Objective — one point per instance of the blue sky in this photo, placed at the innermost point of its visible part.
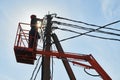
(99, 12)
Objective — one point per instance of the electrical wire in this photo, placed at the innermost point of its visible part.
(84, 28)
(90, 73)
(35, 68)
(84, 34)
(92, 24)
(91, 36)
(38, 71)
(112, 29)
(99, 27)
(90, 32)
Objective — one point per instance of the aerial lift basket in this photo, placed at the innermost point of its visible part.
(23, 54)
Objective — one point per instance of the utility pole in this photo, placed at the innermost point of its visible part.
(46, 47)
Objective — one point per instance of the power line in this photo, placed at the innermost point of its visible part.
(93, 31)
(77, 21)
(35, 68)
(92, 24)
(38, 71)
(84, 28)
(90, 73)
(112, 29)
(80, 34)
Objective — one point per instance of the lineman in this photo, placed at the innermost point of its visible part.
(33, 33)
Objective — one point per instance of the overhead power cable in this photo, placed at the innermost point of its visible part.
(85, 34)
(37, 71)
(92, 24)
(84, 28)
(92, 31)
(35, 68)
(90, 73)
(113, 39)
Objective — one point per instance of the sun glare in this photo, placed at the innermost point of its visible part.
(39, 24)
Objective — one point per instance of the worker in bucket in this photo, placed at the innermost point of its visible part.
(33, 33)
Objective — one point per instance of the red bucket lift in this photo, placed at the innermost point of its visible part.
(23, 54)
(27, 55)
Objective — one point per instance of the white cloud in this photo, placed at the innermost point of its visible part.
(110, 8)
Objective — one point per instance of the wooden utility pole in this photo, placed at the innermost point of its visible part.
(46, 47)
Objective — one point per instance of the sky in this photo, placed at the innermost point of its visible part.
(99, 12)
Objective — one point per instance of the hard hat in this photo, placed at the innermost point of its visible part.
(33, 16)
